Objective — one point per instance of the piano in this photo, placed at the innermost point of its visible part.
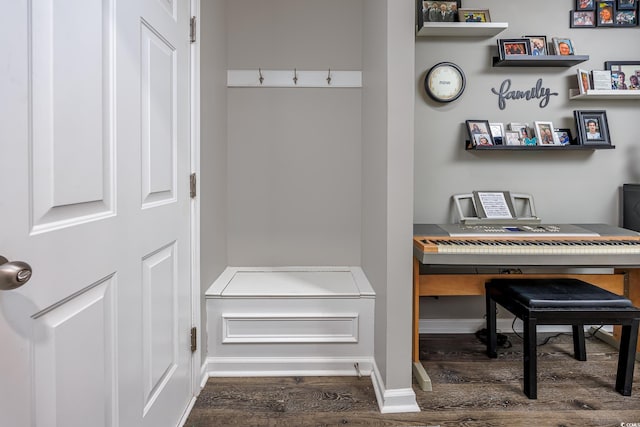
(457, 259)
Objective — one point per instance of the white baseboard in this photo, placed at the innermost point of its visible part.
(393, 401)
(287, 366)
(470, 326)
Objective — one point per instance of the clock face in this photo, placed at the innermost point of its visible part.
(444, 82)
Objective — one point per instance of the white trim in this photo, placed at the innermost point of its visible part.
(285, 78)
(393, 401)
(194, 219)
(287, 366)
(289, 328)
(187, 411)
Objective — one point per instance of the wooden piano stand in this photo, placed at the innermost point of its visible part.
(624, 281)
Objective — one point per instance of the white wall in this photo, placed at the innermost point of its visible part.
(568, 187)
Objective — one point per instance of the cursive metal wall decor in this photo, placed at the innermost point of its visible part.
(536, 92)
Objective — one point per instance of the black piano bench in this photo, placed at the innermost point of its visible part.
(563, 302)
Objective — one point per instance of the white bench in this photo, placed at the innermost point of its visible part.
(290, 321)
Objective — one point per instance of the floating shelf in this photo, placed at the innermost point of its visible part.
(604, 94)
(461, 29)
(539, 61)
(541, 147)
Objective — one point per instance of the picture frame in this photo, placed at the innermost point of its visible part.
(474, 15)
(510, 47)
(512, 137)
(497, 133)
(626, 18)
(563, 46)
(479, 132)
(564, 136)
(584, 82)
(521, 128)
(582, 19)
(585, 5)
(605, 13)
(626, 4)
(592, 127)
(624, 74)
(538, 45)
(545, 133)
(432, 11)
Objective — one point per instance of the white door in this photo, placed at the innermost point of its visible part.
(94, 195)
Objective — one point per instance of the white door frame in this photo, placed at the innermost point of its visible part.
(195, 205)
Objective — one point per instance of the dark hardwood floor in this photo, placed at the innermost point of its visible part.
(469, 389)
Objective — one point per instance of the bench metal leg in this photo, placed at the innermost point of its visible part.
(530, 358)
(492, 338)
(579, 349)
(626, 358)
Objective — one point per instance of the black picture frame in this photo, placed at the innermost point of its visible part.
(627, 4)
(626, 18)
(479, 130)
(585, 5)
(427, 12)
(582, 19)
(605, 13)
(628, 68)
(592, 127)
(510, 47)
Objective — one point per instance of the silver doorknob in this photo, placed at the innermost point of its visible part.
(13, 274)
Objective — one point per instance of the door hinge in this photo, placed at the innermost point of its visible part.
(192, 30)
(194, 339)
(192, 185)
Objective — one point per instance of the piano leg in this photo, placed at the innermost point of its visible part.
(422, 378)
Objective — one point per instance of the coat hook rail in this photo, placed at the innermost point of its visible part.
(301, 78)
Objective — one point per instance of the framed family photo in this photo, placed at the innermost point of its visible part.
(582, 19)
(592, 126)
(626, 18)
(585, 4)
(564, 135)
(563, 46)
(538, 45)
(509, 47)
(439, 11)
(479, 132)
(474, 15)
(624, 74)
(627, 4)
(545, 133)
(604, 10)
(584, 82)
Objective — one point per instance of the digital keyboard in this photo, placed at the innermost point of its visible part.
(584, 245)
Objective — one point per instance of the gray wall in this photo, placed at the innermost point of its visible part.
(568, 187)
(387, 155)
(314, 176)
(294, 155)
(213, 148)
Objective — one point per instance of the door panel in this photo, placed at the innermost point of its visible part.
(94, 127)
(73, 359)
(70, 113)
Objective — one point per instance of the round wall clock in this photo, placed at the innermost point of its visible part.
(445, 82)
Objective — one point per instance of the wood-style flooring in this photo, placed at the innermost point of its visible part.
(469, 389)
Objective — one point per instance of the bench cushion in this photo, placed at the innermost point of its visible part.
(558, 293)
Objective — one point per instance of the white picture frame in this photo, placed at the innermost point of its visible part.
(545, 133)
(521, 128)
(512, 137)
